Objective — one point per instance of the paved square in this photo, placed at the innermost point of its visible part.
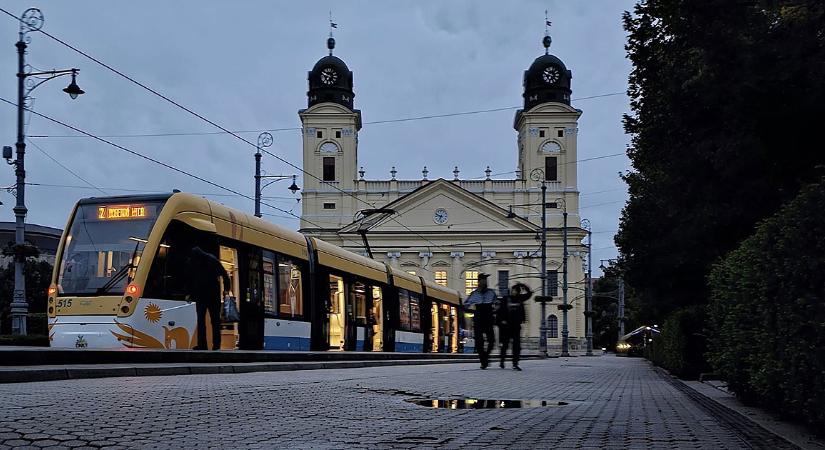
(614, 403)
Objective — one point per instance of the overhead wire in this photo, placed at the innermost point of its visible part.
(148, 158)
(227, 131)
(66, 168)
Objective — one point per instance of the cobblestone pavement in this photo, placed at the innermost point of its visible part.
(613, 403)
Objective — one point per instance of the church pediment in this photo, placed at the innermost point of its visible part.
(441, 206)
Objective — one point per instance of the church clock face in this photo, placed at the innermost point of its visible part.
(329, 76)
(550, 75)
(440, 216)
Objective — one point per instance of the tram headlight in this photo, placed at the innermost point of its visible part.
(133, 289)
(124, 309)
(51, 309)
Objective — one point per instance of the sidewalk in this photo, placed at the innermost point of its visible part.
(753, 422)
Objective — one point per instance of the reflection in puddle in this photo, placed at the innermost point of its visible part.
(475, 403)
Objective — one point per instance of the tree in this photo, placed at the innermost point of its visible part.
(727, 102)
(38, 277)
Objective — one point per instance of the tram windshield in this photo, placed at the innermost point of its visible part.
(104, 246)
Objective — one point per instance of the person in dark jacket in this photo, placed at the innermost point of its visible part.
(483, 298)
(510, 315)
(204, 289)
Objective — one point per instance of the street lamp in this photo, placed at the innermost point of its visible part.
(621, 295)
(565, 349)
(265, 140)
(588, 290)
(31, 20)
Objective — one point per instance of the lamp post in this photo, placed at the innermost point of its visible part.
(588, 290)
(265, 140)
(30, 20)
(565, 349)
(620, 312)
(538, 175)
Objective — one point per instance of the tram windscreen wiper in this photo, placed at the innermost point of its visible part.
(123, 271)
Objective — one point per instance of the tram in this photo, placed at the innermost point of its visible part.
(120, 282)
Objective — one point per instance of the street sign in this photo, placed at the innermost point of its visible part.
(543, 298)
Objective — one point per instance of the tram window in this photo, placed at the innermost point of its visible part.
(169, 273)
(415, 313)
(404, 308)
(290, 284)
(270, 308)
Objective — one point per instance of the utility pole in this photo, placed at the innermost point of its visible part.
(588, 290)
(31, 20)
(265, 140)
(538, 175)
(621, 307)
(565, 349)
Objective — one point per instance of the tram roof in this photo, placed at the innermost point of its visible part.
(442, 293)
(330, 255)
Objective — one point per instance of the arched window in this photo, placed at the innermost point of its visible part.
(553, 326)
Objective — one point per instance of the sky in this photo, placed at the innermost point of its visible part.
(243, 65)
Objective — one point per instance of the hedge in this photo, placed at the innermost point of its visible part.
(680, 347)
(767, 312)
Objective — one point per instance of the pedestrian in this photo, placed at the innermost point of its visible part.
(483, 298)
(509, 316)
(203, 287)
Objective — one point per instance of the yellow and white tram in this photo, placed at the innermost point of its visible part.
(120, 281)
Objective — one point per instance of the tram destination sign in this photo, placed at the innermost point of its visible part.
(121, 212)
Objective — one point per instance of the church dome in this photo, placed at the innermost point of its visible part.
(547, 80)
(330, 81)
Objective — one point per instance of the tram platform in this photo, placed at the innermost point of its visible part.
(26, 364)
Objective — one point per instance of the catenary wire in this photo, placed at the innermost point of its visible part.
(156, 161)
(66, 168)
(220, 127)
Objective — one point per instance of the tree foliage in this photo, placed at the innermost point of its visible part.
(767, 312)
(38, 276)
(727, 104)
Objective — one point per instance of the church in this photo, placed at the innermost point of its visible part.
(448, 231)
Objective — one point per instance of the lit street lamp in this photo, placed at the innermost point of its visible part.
(265, 140)
(31, 20)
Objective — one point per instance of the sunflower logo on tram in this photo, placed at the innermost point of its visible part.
(152, 313)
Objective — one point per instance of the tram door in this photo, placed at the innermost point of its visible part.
(435, 333)
(336, 316)
(376, 320)
(251, 326)
(229, 260)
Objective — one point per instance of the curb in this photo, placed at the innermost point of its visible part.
(52, 373)
(752, 433)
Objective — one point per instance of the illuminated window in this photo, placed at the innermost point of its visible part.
(470, 281)
(441, 277)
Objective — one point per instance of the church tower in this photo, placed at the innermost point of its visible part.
(548, 125)
(330, 140)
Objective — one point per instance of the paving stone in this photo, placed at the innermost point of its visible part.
(613, 403)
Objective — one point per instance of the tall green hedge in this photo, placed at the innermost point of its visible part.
(767, 312)
(680, 347)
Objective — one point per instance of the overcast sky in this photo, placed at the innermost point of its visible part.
(243, 64)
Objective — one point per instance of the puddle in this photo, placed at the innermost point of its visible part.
(475, 403)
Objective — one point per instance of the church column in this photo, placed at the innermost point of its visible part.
(458, 268)
(425, 260)
(393, 256)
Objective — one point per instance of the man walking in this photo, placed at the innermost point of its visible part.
(510, 316)
(204, 271)
(483, 298)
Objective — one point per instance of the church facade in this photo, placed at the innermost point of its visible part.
(448, 231)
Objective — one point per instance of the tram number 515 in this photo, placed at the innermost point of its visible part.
(64, 303)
